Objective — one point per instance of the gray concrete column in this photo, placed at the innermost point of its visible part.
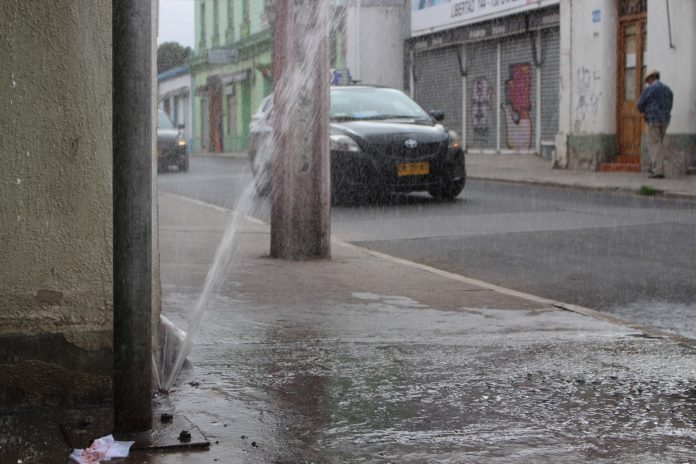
(300, 216)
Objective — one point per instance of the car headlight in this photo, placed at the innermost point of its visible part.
(344, 143)
(455, 142)
(181, 142)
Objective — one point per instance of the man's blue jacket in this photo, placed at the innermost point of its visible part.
(656, 103)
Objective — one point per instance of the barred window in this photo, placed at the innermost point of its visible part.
(633, 7)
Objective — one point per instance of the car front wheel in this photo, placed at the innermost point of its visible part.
(447, 190)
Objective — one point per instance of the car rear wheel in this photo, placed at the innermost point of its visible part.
(262, 181)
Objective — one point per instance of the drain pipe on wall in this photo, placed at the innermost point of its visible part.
(132, 214)
(669, 26)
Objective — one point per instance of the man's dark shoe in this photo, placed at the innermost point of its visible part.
(656, 176)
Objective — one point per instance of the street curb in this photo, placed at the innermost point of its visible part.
(588, 312)
(649, 331)
(616, 190)
(239, 155)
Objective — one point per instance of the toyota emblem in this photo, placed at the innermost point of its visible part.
(410, 143)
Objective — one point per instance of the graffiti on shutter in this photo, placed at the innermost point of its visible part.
(481, 95)
(517, 107)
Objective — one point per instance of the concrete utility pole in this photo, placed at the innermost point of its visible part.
(132, 209)
(301, 203)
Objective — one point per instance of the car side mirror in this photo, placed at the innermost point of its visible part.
(437, 115)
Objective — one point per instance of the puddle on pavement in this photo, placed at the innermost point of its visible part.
(419, 385)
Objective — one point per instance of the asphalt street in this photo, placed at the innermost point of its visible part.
(626, 255)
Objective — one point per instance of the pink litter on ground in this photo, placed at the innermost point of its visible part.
(102, 449)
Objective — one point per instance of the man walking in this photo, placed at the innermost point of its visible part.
(656, 105)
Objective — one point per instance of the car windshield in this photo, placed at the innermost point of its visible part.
(163, 121)
(373, 103)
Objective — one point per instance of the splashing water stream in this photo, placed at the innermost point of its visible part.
(223, 257)
(296, 79)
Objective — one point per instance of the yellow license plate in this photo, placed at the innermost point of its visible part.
(413, 169)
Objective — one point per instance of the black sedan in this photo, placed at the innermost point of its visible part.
(171, 145)
(381, 142)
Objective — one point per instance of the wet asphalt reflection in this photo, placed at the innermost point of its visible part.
(388, 380)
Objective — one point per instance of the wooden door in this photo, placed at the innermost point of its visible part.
(215, 114)
(205, 123)
(632, 36)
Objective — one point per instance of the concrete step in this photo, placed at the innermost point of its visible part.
(626, 159)
(619, 167)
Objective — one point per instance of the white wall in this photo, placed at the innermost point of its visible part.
(677, 65)
(375, 34)
(587, 104)
(592, 80)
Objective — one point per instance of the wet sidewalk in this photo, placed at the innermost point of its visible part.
(368, 358)
(536, 170)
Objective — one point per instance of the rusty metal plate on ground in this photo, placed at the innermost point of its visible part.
(177, 433)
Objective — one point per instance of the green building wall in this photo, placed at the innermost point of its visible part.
(241, 25)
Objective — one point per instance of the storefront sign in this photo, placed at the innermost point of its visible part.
(596, 16)
(492, 29)
(223, 55)
(239, 76)
(486, 30)
(544, 19)
(433, 15)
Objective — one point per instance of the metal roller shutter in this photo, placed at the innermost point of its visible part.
(438, 84)
(550, 81)
(482, 65)
(517, 94)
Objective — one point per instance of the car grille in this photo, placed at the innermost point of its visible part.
(399, 151)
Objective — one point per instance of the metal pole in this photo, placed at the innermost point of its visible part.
(357, 43)
(132, 210)
(669, 26)
(301, 204)
(498, 100)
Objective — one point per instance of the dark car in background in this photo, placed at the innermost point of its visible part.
(172, 149)
(381, 142)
